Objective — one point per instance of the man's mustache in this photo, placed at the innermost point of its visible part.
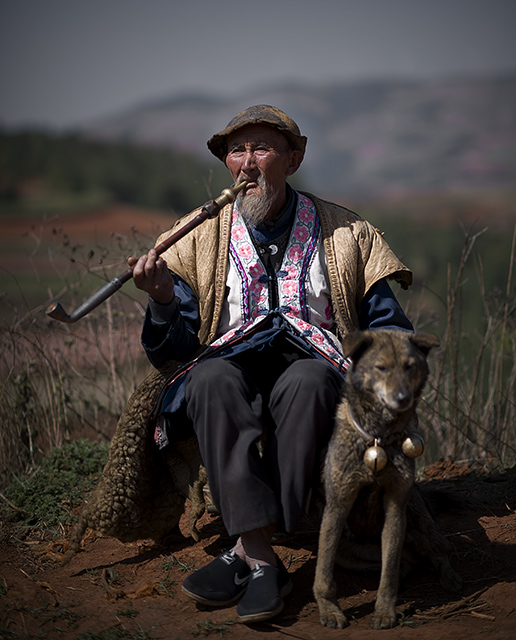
(260, 181)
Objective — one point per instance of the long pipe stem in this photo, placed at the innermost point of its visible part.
(210, 210)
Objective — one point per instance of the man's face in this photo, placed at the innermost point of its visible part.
(262, 156)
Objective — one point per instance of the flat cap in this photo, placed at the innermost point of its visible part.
(259, 114)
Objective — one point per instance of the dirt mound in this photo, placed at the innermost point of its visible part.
(135, 589)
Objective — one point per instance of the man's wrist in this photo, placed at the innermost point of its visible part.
(162, 312)
(163, 301)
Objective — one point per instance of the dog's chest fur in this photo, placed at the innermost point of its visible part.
(346, 452)
(346, 474)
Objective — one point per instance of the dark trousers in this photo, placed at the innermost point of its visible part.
(290, 406)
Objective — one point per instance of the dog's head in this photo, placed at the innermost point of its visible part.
(389, 366)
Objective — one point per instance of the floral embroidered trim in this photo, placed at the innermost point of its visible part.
(250, 270)
(291, 280)
(294, 271)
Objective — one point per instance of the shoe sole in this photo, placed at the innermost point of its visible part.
(266, 615)
(213, 603)
(263, 615)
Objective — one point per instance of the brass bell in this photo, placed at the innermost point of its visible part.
(413, 445)
(375, 457)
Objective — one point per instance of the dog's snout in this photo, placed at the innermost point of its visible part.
(395, 397)
(404, 399)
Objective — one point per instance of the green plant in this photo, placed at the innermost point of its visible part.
(406, 621)
(167, 586)
(61, 382)
(46, 497)
(172, 561)
(9, 634)
(48, 613)
(130, 612)
(116, 632)
(112, 577)
(206, 627)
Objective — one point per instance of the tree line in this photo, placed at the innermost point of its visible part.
(40, 170)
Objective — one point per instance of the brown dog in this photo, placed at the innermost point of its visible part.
(369, 473)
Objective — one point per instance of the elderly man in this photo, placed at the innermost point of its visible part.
(254, 302)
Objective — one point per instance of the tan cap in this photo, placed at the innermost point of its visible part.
(259, 114)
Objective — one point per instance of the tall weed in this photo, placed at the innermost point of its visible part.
(469, 410)
(61, 382)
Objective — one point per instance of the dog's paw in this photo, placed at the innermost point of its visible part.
(383, 620)
(332, 616)
(451, 581)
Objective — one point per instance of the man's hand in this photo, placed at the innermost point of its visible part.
(150, 274)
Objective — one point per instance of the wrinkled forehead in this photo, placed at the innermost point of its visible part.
(258, 134)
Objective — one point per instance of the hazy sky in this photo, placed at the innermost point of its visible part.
(66, 62)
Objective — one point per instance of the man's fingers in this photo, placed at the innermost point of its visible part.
(150, 274)
(146, 260)
(139, 268)
(152, 265)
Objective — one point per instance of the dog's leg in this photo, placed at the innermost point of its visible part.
(325, 588)
(393, 535)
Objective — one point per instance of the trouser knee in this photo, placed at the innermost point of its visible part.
(312, 377)
(209, 372)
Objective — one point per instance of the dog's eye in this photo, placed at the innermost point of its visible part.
(381, 368)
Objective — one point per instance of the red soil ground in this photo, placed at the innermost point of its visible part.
(98, 223)
(137, 587)
(24, 241)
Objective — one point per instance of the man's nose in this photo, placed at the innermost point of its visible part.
(249, 160)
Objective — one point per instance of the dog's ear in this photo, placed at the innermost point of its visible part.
(354, 343)
(425, 341)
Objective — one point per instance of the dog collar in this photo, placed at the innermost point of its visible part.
(375, 456)
(368, 438)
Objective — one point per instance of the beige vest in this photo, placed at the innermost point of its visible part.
(357, 256)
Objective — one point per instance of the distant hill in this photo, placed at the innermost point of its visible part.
(365, 137)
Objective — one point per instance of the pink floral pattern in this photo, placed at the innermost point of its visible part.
(295, 253)
(246, 250)
(291, 280)
(301, 234)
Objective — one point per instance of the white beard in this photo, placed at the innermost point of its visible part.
(255, 208)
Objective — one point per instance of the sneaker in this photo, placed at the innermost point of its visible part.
(220, 583)
(267, 587)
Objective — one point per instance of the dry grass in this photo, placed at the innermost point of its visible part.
(65, 382)
(60, 381)
(469, 410)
